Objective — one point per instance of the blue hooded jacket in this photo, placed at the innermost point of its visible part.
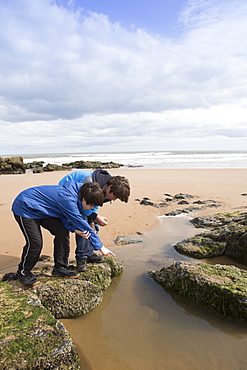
(56, 201)
(83, 176)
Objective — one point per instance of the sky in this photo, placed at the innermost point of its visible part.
(103, 76)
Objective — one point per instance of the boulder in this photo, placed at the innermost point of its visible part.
(201, 246)
(12, 165)
(227, 235)
(221, 288)
(31, 338)
(68, 298)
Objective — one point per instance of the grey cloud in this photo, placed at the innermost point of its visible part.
(66, 75)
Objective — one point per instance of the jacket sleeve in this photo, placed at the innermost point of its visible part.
(72, 219)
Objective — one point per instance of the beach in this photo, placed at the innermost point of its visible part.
(224, 186)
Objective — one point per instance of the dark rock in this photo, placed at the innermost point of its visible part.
(174, 213)
(12, 165)
(126, 240)
(34, 164)
(15, 165)
(183, 202)
(53, 167)
(10, 276)
(38, 170)
(92, 164)
(182, 196)
(213, 205)
(146, 202)
(185, 210)
(222, 288)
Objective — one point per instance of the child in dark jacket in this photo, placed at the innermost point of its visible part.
(59, 209)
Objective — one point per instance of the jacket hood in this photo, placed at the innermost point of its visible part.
(72, 186)
(101, 177)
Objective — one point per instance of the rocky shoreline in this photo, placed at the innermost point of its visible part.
(15, 165)
(219, 287)
(31, 336)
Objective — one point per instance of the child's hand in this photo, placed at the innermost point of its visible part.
(106, 252)
(83, 234)
(101, 220)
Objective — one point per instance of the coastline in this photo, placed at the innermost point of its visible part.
(224, 186)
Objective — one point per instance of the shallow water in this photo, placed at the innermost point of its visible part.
(140, 326)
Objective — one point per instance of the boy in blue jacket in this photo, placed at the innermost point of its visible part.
(59, 209)
(114, 187)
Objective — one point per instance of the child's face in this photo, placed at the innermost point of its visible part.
(108, 194)
(85, 206)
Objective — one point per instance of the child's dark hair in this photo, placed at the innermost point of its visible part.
(120, 187)
(91, 193)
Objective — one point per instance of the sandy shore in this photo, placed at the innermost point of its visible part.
(223, 186)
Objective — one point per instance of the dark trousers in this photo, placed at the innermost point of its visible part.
(31, 229)
(84, 247)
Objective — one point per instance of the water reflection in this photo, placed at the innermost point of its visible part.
(140, 326)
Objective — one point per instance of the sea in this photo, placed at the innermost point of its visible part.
(151, 159)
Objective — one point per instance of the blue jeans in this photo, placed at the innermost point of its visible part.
(84, 247)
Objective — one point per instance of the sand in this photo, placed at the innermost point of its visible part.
(224, 186)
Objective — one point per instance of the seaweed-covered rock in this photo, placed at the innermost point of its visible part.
(30, 337)
(98, 274)
(201, 246)
(227, 236)
(69, 298)
(115, 265)
(222, 288)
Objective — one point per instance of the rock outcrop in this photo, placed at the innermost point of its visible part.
(31, 337)
(222, 288)
(15, 165)
(227, 235)
(12, 165)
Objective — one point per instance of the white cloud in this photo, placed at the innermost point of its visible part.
(69, 80)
